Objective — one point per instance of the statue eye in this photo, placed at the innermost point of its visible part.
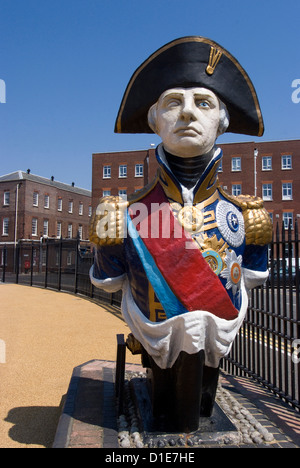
(173, 103)
(203, 104)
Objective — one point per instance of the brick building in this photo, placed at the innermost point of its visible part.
(121, 173)
(32, 207)
(270, 170)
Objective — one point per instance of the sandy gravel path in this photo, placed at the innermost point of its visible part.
(46, 335)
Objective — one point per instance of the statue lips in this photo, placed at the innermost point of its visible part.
(188, 131)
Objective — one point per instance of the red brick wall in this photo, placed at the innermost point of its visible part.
(227, 177)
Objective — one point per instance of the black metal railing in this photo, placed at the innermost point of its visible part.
(59, 264)
(267, 347)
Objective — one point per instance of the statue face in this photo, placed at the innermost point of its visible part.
(187, 120)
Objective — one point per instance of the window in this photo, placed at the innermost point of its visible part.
(123, 193)
(70, 231)
(287, 191)
(236, 189)
(220, 166)
(3, 257)
(287, 219)
(80, 231)
(45, 227)
(106, 193)
(80, 208)
(236, 164)
(267, 192)
(6, 198)
(5, 227)
(59, 204)
(70, 206)
(106, 172)
(286, 162)
(267, 163)
(35, 200)
(58, 229)
(34, 227)
(123, 171)
(139, 170)
(69, 258)
(90, 211)
(44, 257)
(46, 201)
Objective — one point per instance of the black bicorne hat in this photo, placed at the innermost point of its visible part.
(188, 62)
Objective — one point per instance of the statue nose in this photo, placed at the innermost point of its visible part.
(188, 109)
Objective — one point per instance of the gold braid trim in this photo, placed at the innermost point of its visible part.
(107, 225)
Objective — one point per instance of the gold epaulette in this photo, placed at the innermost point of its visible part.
(107, 225)
(258, 224)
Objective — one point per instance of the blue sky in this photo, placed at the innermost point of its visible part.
(66, 64)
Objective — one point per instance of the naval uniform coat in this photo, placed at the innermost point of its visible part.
(185, 261)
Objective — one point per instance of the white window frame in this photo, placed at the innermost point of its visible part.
(139, 170)
(5, 227)
(58, 229)
(35, 199)
(287, 191)
(46, 201)
(70, 231)
(70, 208)
(286, 162)
(267, 192)
(107, 172)
(236, 189)
(69, 258)
(287, 217)
(34, 227)
(90, 211)
(80, 231)
(106, 193)
(44, 257)
(46, 227)
(266, 163)
(122, 171)
(236, 164)
(6, 198)
(123, 193)
(59, 204)
(80, 210)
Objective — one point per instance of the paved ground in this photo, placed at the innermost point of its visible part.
(47, 334)
(89, 418)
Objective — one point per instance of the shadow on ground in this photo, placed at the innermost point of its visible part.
(34, 425)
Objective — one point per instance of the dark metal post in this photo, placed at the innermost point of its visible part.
(120, 371)
(46, 266)
(31, 265)
(60, 263)
(4, 262)
(17, 262)
(76, 262)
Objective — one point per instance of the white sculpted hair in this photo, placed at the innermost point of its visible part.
(223, 123)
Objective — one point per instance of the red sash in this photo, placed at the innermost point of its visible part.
(182, 265)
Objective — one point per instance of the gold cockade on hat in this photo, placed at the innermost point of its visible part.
(214, 57)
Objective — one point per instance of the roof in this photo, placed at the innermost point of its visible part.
(21, 175)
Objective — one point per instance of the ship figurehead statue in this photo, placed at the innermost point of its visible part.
(184, 252)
